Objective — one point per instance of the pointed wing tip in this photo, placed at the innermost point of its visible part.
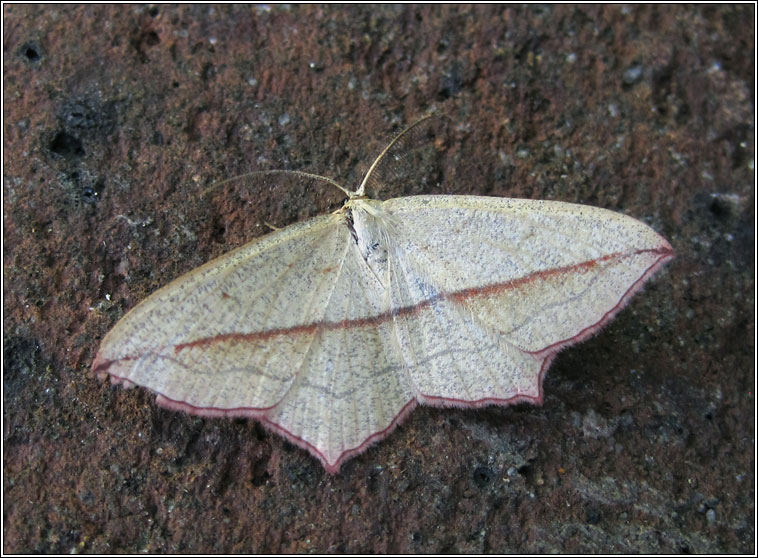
(333, 468)
(659, 244)
(101, 370)
(665, 254)
(666, 249)
(100, 367)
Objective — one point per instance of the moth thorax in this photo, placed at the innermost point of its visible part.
(372, 236)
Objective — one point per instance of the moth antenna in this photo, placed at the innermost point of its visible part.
(272, 172)
(361, 191)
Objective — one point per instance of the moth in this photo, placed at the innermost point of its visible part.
(330, 331)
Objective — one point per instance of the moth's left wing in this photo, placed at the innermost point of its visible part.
(487, 290)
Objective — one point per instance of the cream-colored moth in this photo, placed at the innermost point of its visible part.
(330, 331)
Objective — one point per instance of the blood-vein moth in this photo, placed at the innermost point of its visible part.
(330, 331)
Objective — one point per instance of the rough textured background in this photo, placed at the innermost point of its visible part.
(116, 121)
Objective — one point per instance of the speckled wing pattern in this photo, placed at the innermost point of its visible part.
(330, 331)
(500, 285)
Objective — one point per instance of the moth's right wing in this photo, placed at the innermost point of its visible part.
(291, 329)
